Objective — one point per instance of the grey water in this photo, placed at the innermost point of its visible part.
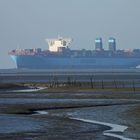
(52, 127)
(13, 71)
(15, 75)
(16, 124)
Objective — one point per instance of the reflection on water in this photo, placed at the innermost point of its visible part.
(47, 126)
(15, 124)
(51, 128)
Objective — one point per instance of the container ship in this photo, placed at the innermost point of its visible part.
(60, 56)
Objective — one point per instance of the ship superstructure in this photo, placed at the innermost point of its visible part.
(60, 56)
(55, 45)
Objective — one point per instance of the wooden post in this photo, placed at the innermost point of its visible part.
(74, 83)
(102, 84)
(115, 84)
(123, 84)
(68, 81)
(91, 81)
(134, 89)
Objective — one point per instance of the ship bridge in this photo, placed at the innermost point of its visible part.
(56, 44)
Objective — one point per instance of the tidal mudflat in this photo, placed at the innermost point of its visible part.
(79, 114)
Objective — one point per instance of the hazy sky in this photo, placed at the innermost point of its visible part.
(26, 23)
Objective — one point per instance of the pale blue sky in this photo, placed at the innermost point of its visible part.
(28, 22)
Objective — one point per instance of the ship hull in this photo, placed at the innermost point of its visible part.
(44, 62)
